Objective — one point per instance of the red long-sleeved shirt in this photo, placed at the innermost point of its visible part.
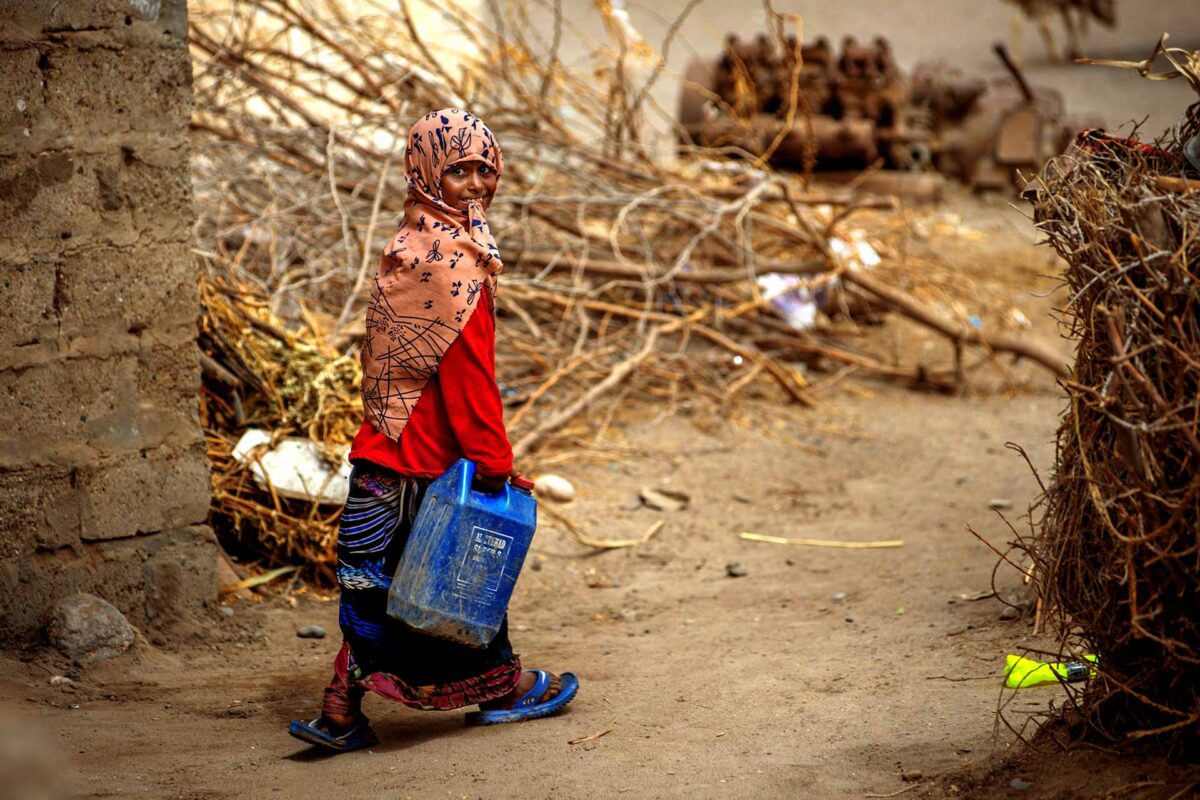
(458, 414)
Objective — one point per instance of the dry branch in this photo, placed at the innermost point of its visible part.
(628, 278)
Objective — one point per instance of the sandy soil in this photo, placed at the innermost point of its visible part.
(758, 686)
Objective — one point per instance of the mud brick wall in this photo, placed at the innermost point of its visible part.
(103, 475)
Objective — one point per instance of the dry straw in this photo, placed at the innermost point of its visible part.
(1118, 552)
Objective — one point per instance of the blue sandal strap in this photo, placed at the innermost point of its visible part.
(534, 695)
(531, 709)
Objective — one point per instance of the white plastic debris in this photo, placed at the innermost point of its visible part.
(791, 298)
(293, 467)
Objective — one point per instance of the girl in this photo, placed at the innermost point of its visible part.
(430, 398)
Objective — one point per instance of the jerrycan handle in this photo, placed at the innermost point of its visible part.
(463, 472)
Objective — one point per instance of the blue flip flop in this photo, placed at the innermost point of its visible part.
(528, 706)
(357, 738)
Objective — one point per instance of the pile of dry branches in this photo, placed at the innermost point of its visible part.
(1118, 555)
(626, 276)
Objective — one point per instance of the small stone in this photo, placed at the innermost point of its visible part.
(554, 487)
(87, 629)
(1010, 612)
(839, 597)
(311, 632)
(663, 499)
(227, 610)
(1020, 784)
(629, 615)
(1000, 504)
(736, 569)
(849, 618)
(910, 775)
(743, 498)
(63, 682)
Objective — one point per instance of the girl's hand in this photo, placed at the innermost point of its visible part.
(488, 484)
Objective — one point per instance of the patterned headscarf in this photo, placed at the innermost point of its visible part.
(433, 271)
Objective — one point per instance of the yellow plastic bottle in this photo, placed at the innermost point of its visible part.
(1022, 673)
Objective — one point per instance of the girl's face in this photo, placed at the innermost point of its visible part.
(468, 180)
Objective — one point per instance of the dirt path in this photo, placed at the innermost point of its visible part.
(765, 685)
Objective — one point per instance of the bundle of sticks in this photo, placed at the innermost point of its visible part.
(1116, 554)
(627, 275)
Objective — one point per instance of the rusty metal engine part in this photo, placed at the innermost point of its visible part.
(856, 106)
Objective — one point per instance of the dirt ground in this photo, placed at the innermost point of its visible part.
(819, 673)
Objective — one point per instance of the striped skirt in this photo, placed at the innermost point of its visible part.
(384, 655)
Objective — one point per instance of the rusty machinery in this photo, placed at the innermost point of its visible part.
(858, 107)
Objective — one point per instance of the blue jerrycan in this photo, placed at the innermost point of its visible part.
(462, 558)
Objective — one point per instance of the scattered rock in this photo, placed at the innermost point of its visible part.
(664, 499)
(596, 580)
(1020, 784)
(554, 487)
(87, 629)
(1000, 504)
(629, 615)
(1010, 613)
(849, 618)
(63, 682)
(311, 632)
(227, 610)
(910, 775)
(736, 569)
(839, 597)
(743, 498)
